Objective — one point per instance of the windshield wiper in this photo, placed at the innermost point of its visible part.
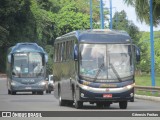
(99, 70)
(115, 72)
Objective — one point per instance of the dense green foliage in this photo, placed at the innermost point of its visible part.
(41, 21)
(142, 10)
(141, 39)
(145, 51)
(120, 22)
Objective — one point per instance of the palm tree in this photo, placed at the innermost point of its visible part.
(142, 10)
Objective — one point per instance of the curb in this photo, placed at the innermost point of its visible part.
(151, 98)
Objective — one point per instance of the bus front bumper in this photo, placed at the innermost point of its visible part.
(106, 94)
(28, 87)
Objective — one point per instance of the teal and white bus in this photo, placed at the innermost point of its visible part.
(26, 68)
(95, 66)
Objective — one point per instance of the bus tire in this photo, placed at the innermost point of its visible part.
(78, 104)
(9, 92)
(132, 100)
(40, 92)
(70, 103)
(49, 91)
(13, 92)
(46, 91)
(123, 104)
(33, 92)
(61, 102)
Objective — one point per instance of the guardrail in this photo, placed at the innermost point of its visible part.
(151, 89)
(148, 89)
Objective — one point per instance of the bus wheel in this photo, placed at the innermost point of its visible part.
(9, 92)
(13, 92)
(123, 104)
(33, 92)
(78, 104)
(40, 92)
(46, 91)
(49, 91)
(61, 102)
(70, 103)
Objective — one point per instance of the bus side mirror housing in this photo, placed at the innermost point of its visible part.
(9, 58)
(137, 53)
(75, 52)
(138, 56)
(46, 57)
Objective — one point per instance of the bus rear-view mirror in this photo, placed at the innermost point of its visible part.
(46, 58)
(9, 58)
(137, 53)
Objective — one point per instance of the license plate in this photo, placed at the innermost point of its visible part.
(28, 88)
(107, 95)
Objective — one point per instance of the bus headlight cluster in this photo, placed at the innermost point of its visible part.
(131, 94)
(129, 86)
(13, 83)
(82, 95)
(42, 83)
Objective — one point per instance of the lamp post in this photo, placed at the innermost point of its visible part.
(101, 14)
(111, 20)
(91, 14)
(152, 45)
(110, 14)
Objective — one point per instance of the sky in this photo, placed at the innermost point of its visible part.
(119, 6)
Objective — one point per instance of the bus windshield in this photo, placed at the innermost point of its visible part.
(27, 65)
(106, 62)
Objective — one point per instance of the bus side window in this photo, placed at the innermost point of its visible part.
(64, 51)
(67, 49)
(71, 48)
(58, 52)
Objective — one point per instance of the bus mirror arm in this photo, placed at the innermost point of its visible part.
(13, 73)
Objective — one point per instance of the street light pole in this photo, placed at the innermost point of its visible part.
(101, 14)
(111, 17)
(152, 45)
(110, 14)
(91, 14)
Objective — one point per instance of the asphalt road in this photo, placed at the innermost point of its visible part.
(47, 102)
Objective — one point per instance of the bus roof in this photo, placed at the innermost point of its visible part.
(99, 36)
(27, 47)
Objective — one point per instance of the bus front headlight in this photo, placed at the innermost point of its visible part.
(13, 83)
(42, 83)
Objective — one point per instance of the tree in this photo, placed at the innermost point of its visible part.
(145, 51)
(69, 19)
(120, 22)
(142, 10)
(41, 21)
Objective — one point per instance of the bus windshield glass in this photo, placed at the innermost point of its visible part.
(27, 65)
(106, 62)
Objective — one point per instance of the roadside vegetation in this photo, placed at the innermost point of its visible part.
(145, 80)
(41, 21)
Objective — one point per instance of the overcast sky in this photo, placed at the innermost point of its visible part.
(119, 5)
